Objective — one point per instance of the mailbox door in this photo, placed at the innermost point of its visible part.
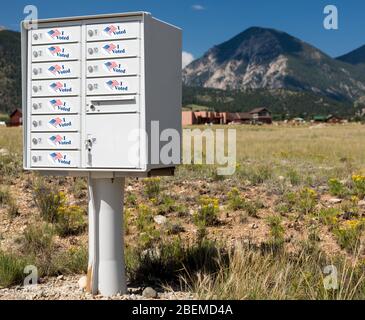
(49, 88)
(112, 85)
(56, 105)
(54, 158)
(55, 70)
(112, 67)
(53, 140)
(112, 145)
(55, 35)
(112, 49)
(56, 52)
(113, 31)
(59, 123)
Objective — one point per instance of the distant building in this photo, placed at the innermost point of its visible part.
(258, 115)
(327, 119)
(203, 117)
(261, 115)
(16, 118)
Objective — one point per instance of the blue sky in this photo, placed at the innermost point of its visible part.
(209, 22)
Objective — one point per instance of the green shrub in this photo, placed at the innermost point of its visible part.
(70, 220)
(304, 201)
(349, 234)
(329, 216)
(79, 188)
(260, 174)
(307, 200)
(13, 210)
(152, 187)
(131, 200)
(4, 195)
(293, 176)
(38, 239)
(207, 213)
(235, 201)
(277, 230)
(10, 165)
(11, 269)
(71, 261)
(148, 235)
(126, 220)
(48, 200)
(144, 217)
(336, 188)
(359, 185)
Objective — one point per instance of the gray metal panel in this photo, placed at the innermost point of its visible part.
(163, 78)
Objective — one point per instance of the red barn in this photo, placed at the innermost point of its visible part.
(16, 118)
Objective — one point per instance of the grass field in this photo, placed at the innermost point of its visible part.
(294, 206)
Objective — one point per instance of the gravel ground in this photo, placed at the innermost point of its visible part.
(67, 288)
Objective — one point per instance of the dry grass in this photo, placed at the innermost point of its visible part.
(253, 275)
(274, 162)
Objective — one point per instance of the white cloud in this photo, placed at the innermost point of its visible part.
(198, 7)
(187, 57)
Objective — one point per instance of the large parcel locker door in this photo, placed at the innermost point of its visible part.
(112, 140)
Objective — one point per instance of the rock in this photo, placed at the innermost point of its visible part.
(82, 283)
(160, 219)
(361, 203)
(149, 293)
(254, 226)
(4, 152)
(335, 200)
(129, 188)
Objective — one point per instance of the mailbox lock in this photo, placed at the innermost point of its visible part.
(91, 69)
(35, 159)
(91, 51)
(35, 123)
(92, 107)
(35, 71)
(91, 33)
(35, 141)
(90, 87)
(35, 89)
(35, 54)
(35, 36)
(35, 106)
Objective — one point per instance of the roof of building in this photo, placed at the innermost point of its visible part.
(15, 111)
(257, 110)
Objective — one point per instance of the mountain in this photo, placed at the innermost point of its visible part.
(355, 57)
(261, 58)
(10, 71)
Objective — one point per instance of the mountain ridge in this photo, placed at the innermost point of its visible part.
(267, 58)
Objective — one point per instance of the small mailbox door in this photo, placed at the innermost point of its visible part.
(110, 142)
(56, 52)
(55, 70)
(56, 105)
(112, 49)
(113, 31)
(56, 35)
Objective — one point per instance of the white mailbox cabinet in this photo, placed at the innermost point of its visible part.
(90, 84)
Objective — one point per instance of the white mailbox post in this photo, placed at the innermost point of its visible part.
(92, 86)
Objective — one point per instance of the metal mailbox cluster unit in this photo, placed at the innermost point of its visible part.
(91, 88)
(89, 82)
